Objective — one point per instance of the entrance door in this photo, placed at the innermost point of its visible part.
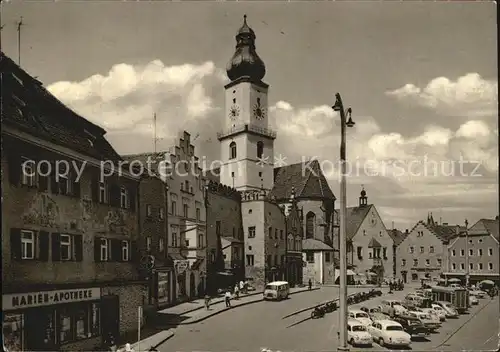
(403, 273)
(110, 313)
(39, 329)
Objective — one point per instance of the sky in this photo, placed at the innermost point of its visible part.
(420, 77)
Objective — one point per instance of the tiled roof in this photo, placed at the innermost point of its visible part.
(446, 232)
(312, 244)
(231, 239)
(490, 225)
(355, 216)
(374, 243)
(307, 178)
(397, 236)
(29, 107)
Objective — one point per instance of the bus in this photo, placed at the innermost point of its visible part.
(459, 297)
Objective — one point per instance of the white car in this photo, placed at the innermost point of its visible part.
(440, 310)
(473, 300)
(451, 311)
(438, 314)
(360, 316)
(431, 322)
(392, 306)
(388, 332)
(357, 334)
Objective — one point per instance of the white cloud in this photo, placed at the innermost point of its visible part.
(470, 95)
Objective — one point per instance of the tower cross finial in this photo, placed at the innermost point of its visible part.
(245, 18)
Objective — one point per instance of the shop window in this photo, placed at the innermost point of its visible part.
(81, 324)
(13, 328)
(78, 323)
(65, 326)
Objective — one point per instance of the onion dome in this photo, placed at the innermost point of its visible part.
(245, 61)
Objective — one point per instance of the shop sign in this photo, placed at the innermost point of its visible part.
(163, 287)
(47, 298)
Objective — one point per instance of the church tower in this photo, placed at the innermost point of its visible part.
(247, 143)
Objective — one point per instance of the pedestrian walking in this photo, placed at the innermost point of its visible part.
(228, 298)
(310, 285)
(207, 302)
(242, 286)
(236, 291)
(128, 348)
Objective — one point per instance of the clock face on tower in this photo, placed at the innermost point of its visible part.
(259, 111)
(234, 112)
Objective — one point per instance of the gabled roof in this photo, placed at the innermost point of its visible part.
(374, 243)
(312, 244)
(489, 225)
(355, 217)
(444, 233)
(306, 178)
(397, 236)
(29, 107)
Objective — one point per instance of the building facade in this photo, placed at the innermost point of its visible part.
(69, 273)
(481, 244)
(319, 262)
(294, 237)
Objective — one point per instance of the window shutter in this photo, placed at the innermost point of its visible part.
(14, 165)
(95, 189)
(43, 246)
(133, 251)
(116, 250)
(43, 180)
(97, 249)
(54, 186)
(75, 186)
(56, 247)
(15, 243)
(78, 240)
(132, 198)
(114, 195)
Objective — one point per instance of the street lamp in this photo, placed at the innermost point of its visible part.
(343, 210)
(466, 253)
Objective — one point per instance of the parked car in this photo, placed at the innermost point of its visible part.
(440, 310)
(375, 316)
(358, 334)
(429, 321)
(451, 311)
(473, 300)
(412, 326)
(389, 332)
(438, 314)
(392, 307)
(477, 293)
(359, 315)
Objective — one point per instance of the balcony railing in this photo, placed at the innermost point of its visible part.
(247, 128)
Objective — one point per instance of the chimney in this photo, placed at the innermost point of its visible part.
(496, 217)
(406, 231)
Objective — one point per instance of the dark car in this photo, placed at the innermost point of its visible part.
(412, 326)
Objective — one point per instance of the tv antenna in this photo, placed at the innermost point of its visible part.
(19, 24)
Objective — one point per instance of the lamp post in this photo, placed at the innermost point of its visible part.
(466, 253)
(343, 210)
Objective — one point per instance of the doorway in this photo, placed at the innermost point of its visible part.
(403, 274)
(110, 313)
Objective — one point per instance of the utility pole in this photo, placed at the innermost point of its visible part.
(343, 346)
(466, 253)
(19, 24)
(154, 132)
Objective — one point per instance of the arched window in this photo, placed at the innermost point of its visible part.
(260, 149)
(232, 150)
(290, 242)
(310, 224)
(298, 244)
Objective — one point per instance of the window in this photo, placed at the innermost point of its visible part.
(124, 198)
(479, 252)
(490, 251)
(232, 150)
(125, 251)
(161, 245)
(470, 241)
(276, 233)
(281, 234)
(360, 252)
(427, 262)
(411, 249)
(201, 242)
(82, 323)
(250, 260)
(415, 262)
(173, 207)
(198, 214)
(28, 171)
(187, 185)
(480, 241)
(282, 260)
(173, 231)
(414, 277)
(103, 193)
(490, 266)
(471, 266)
(370, 255)
(148, 243)
(462, 266)
(270, 232)
(260, 149)
(251, 232)
(290, 242)
(65, 241)
(403, 262)
(471, 252)
(65, 325)
(27, 245)
(454, 266)
(269, 258)
(431, 249)
(185, 210)
(310, 224)
(462, 252)
(64, 184)
(384, 251)
(310, 257)
(480, 266)
(104, 250)
(162, 213)
(439, 262)
(453, 253)
(422, 250)
(186, 242)
(217, 227)
(149, 210)
(327, 257)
